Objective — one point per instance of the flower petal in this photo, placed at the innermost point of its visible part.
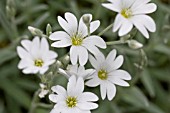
(83, 55)
(111, 56)
(145, 9)
(60, 44)
(148, 22)
(71, 85)
(67, 25)
(117, 63)
(137, 23)
(25, 63)
(103, 88)
(94, 62)
(92, 82)
(30, 70)
(54, 98)
(112, 7)
(55, 110)
(95, 40)
(44, 46)
(121, 74)
(79, 86)
(118, 22)
(59, 90)
(59, 35)
(87, 105)
(117, 81)
(23, 53)
(35, 53)
(73, 54)
(111, 91)
(26, 44)
(72, 22)
(88, 97)
(94, 25)
(50, 55)
(139, 3)
(43, 70)
(125, 28)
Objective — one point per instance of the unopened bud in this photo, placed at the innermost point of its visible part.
(66, 59)
(134, 44)
(59, 64)
(86, 19)
(48, 30)
(10, 8)
(125, 38)
(35, 31)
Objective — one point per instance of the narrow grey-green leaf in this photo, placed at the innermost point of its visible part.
(135, 97)
(148, 82)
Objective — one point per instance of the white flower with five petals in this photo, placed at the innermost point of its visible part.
(76, 36)
(35, 56)
(107, 74)
(74, 100)
(78, 71)
(132, 13)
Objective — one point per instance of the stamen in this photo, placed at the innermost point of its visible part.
(38, 63)
(102, 74)
(76, 41)
(127, 13)
(71, 102)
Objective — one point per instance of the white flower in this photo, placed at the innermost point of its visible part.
(35, 56)
(44, 91)
(74, 100)
(76, 37)
(132, 12)
(79, 71)
(107, 74)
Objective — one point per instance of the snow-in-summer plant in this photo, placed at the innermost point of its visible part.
(38, 58)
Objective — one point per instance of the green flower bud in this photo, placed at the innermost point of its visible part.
(134, 44)
(35, 31)
(48, 30)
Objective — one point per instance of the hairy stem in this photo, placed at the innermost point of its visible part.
(34, 102)
(106, 29)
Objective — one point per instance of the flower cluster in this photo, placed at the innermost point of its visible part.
(36, 56)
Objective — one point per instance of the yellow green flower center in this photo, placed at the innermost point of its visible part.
(102, 74)
(126, 12)
(38, 63)
(76, 40)
(71, 102)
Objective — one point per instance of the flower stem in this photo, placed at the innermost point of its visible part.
(116, 42)
(34, 101)
(106, 29)
(45, 105)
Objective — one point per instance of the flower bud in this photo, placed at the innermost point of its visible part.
(86, 19)
(134, 44)
(44, 91)
(59, 64)
(35, 31)
(48, 30)
(66, 59)
(10, 8)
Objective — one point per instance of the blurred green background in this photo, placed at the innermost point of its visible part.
(150, 69)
